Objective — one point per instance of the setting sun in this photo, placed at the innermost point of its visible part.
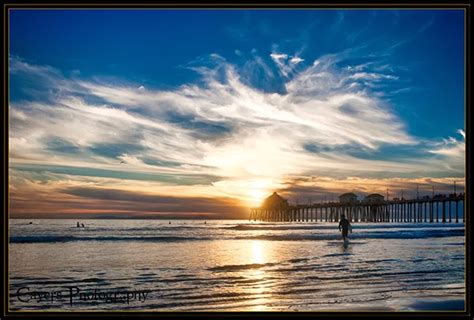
(257, 191)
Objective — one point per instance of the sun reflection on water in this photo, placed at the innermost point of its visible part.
(260, 290)
(258, 252)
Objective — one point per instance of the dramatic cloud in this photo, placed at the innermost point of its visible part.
(218, 137)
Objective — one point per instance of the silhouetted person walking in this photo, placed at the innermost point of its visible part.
(344, 225)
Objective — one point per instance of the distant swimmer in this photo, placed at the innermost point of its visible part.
(82, 225)
(344, 225)
(31, 222)
(204, 222)
(169, 222)
(78, 225)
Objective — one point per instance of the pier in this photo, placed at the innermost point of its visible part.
(439, 208)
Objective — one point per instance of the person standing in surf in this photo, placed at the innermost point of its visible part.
(344, 225)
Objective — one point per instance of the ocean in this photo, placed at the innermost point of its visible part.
(234, 265)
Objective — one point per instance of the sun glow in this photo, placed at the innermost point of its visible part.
(257, 192)
(257, 197)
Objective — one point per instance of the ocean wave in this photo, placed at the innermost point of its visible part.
(276, 236)
(366, 235)
(315, 226)
(239, 267)
(53, 239)
(166, 227)
(336, 255)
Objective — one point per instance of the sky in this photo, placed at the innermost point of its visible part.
(204, 113)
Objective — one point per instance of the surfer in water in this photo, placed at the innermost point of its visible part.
(344, 225)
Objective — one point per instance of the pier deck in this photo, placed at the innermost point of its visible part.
(432, 209)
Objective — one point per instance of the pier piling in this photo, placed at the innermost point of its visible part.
(425, 210)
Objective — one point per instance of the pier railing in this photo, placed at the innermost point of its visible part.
(428, 209)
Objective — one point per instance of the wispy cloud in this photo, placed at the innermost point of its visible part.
(286, 64)
(247, 140)
(451, 147)
(414, 35)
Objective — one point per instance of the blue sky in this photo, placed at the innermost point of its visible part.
(178, 95)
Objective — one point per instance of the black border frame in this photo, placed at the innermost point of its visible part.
(179, 4)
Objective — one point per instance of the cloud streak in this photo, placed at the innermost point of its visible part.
(247, 140)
